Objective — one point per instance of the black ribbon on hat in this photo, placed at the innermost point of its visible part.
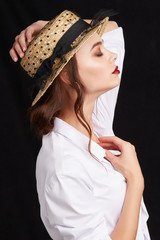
(64, 45)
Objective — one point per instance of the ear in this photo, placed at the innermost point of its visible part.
(64, 75)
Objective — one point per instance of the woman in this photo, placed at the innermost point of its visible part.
(85, 191)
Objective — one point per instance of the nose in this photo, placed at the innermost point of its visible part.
(114, 56)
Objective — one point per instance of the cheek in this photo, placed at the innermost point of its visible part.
(92, 70)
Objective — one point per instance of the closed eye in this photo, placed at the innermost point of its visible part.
(99, 54)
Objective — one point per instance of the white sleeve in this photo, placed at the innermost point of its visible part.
(71, 209)
(144, 220)
(103, 113)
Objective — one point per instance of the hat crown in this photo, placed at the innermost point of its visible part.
(44, 43)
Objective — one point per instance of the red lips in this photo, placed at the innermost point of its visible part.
(116, 71)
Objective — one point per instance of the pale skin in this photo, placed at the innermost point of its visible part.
(98, 63)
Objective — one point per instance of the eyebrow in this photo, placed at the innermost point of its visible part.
(96, 44)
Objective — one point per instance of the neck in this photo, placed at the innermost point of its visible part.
(68, 115)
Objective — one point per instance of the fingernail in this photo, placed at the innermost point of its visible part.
(15, 59)
(24, 49)
(21, 55)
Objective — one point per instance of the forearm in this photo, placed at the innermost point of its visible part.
(126, 228)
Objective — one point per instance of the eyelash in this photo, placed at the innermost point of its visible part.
(100, 54)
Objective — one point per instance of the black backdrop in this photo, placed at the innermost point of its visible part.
(137, 116)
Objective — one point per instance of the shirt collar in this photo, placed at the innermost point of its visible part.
(78, 138)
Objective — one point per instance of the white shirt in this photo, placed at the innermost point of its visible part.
(81, 198)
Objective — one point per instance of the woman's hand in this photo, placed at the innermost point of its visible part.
(127, 162)
(24, 38)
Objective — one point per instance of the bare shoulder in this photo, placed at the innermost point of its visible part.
(111, 25)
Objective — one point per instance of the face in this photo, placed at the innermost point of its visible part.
(96, 65)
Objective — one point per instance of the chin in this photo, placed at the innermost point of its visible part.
(116, 82)
(108, 88)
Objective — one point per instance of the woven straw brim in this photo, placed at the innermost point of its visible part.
(59, 64)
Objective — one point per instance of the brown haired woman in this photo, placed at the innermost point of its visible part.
(89, 186)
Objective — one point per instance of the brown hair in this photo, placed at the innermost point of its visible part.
(48, 107)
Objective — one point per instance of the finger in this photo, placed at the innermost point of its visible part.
(110, 157)
(22, 41)
(29, 36)
(13, 54)
(118, 142)
(18, 49)
(107, 138)
(16, 38)
(108, 146)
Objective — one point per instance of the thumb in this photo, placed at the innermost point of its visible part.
(109, 156)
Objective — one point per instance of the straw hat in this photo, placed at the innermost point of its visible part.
(55, 45)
